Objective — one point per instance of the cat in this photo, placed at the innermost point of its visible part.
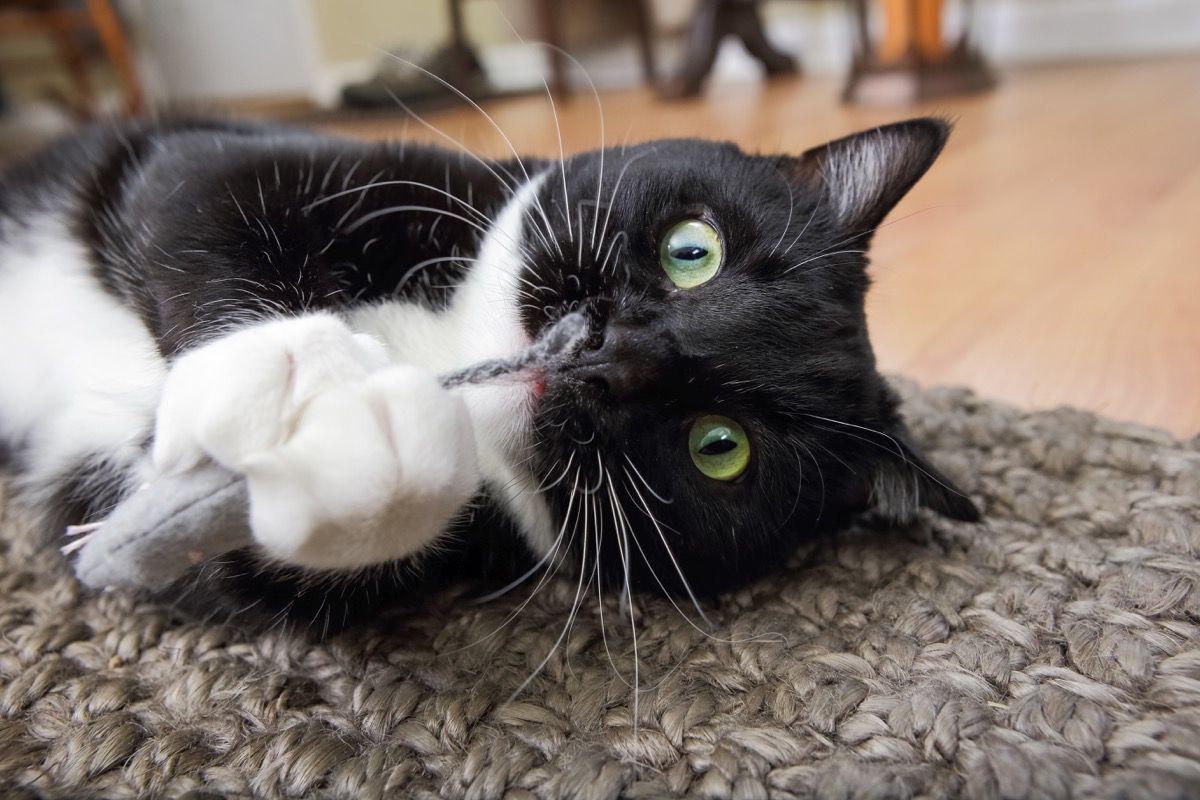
(278, 301)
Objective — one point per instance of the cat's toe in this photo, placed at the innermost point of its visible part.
(373, 472)
(239, 395)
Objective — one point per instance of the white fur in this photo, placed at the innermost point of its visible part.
(350, 461)
(374, 471)
(79, 373)
(243, 393)
(481, 323)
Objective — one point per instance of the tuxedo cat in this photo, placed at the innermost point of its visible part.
(174, 292)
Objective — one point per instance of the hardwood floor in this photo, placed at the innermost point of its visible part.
(1052, 256)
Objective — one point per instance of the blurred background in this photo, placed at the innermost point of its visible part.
(1051, 257)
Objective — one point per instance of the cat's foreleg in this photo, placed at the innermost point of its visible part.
(349, 461)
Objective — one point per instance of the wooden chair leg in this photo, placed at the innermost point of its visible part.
(912, 62)
(712, 22)
(703, 38)
(552, 35)
(862, 35)
(746, 23)
(63, 32)
(116, 47)
(643, 19)
(459, 49)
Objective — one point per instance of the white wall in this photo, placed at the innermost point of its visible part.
(206, 49)
(1038, 31)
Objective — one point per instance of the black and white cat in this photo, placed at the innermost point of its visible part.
(280, 302)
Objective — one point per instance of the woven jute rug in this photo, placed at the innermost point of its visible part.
(1053, 651)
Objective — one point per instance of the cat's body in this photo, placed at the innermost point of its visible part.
(280, 302)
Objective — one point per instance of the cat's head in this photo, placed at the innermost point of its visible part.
(727, 402)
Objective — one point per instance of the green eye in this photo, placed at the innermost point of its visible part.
(690, 253)
(719, 447)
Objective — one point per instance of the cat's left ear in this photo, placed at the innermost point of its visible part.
(903, 481)
(864, 175)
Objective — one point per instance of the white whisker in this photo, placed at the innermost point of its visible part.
(670, 554)
(379, 184)
(810, 259)
(616, 186)
(547, 575)
(791, 208)
(649, 488)
(382, 212)
(770, 635)
(583, 570)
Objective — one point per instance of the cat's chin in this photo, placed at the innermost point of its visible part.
(502, 416)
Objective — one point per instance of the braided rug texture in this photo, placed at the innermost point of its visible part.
(1052, 652)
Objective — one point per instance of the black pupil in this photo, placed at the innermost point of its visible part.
(718, 447)
(689, 253)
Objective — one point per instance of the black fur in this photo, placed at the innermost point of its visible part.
(180, 214)
(779, 347)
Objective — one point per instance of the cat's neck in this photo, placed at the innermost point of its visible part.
(481, 321)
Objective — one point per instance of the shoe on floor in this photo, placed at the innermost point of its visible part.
(407, 79)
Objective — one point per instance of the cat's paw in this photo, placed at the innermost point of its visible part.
(348, 462)
(240, 395)
(373, 471)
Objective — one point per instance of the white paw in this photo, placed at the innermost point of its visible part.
(242, 394)
(348, 462)
(373, 471)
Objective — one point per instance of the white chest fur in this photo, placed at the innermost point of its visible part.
(481, 323)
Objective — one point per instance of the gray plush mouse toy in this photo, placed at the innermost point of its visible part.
(178, 521)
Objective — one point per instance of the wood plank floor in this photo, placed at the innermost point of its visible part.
(1051, 257)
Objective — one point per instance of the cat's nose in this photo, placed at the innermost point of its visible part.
(626, 361)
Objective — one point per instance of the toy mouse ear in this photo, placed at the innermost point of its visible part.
(864, 175)
(904, 481)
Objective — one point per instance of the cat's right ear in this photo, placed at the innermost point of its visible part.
(863, 176)
(902, 481)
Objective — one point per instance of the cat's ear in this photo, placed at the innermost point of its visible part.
(904, 481)
(864, 175)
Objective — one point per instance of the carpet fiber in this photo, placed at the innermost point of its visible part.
(1053, 651)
